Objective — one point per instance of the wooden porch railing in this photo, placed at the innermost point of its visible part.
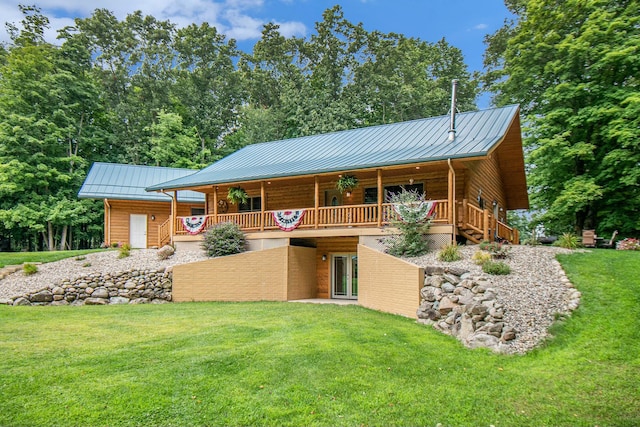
(473, 222)
(327, 216)
(480, 224)
(164, 233)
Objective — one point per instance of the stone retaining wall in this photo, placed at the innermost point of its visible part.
(464, 305)
(129, 287)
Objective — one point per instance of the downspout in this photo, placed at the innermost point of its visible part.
(107, 222)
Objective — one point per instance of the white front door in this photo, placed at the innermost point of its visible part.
(344, 276)
(138, 231)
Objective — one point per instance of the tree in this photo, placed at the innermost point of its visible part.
(48, 106)
(573, 66)
(174, 146)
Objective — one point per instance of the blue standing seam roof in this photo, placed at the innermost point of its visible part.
(128, 182)
(422, 140)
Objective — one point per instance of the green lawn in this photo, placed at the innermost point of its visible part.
(300, 364)
(15, 258)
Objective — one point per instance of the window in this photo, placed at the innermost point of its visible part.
(254, 204)
(197, 211)
(371, 194)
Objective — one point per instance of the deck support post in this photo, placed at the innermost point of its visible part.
(380, 196)
(316, 197)
(107, 222)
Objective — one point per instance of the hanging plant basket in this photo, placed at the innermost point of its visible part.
(237, 195)
(346, 184)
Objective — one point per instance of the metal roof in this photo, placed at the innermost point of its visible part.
(415, 141)
(128, 182)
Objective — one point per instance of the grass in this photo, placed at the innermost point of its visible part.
(319, 365)
(16, 258)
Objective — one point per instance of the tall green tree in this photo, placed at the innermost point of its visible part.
(573, 66)
(48, 106)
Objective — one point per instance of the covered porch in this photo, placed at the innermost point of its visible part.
(323, 208)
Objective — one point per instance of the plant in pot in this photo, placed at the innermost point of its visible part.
(346, 184)
(237, 195)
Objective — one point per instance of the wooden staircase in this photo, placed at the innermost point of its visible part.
(479, 225)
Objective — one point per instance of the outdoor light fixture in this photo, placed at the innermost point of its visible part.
(153, 217)
(410, 181)
(324, 257)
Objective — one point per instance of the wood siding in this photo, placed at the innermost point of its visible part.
(485, 175)
(117, 226)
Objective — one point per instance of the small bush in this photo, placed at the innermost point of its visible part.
(29, 269)
(80, 258)
(115, 244)
(481, 257)
(86, 264)
(496, 249)
(567, 241)
(125, 250)
(223, 239)
(628, 244)
(450, 253)
(496, 268)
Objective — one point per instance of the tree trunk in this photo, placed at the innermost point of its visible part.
(63, 239)
(50, 244)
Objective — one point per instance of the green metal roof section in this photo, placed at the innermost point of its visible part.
(415, 141)
(128, 182)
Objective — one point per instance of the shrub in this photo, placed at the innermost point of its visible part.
(496, 268)
(481, 257)
(567, 241)
(86, 264)
(115, 244)
(628, 244)
(29, 269)
(80, 258)
(223, 239)
(496, 249)
(450, 253)
(125, 250)
(413, 224)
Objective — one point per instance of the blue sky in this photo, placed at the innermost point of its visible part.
(463, 23)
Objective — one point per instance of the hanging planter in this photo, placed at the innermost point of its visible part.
(346, 184)
(237, 195)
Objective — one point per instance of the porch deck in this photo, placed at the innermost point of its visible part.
(470, 221)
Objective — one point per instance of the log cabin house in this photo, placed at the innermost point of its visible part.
(320, 239)
(131, 214)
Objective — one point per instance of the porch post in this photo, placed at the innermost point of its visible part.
(215, 205)
(316, 196)
(380, 196)
(262, 203)
(451, 195)
(174, 213)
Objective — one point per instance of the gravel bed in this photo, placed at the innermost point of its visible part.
(535, 291)
(17, 284)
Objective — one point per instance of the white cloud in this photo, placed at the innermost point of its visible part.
(480, 27)
(239, 19)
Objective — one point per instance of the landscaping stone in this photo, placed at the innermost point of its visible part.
(42, 296)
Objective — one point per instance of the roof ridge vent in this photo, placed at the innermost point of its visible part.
(452, 122)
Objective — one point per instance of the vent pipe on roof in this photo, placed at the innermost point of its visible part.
(452, 124)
